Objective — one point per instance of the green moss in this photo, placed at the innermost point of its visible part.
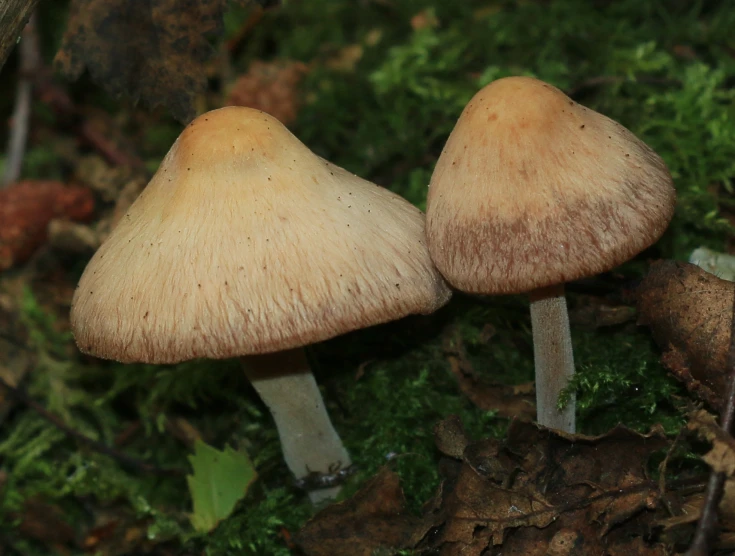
(620, 379)
(41, 163)
(259, 528)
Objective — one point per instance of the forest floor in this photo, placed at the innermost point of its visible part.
(374, 86)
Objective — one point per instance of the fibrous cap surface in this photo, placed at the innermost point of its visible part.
(246, 242)
(533, 189)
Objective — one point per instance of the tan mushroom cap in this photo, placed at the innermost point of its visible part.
(533, 189)
(247, 242)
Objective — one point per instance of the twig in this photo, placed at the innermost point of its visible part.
(30, 56)
(61, 103)
(708, 521)
(260, 8)
(123, 458)
(584, 502)
(233, 45)
(107, 148)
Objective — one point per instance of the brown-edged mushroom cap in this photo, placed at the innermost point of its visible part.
(246, 242)
(533, 189)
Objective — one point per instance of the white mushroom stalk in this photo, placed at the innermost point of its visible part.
(553, 357)
(285, 383)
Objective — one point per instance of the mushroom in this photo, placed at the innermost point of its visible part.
(247, 244)
(534, 190)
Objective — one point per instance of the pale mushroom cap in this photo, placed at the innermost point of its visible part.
(533, 189)
(246, 242)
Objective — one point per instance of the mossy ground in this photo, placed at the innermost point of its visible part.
(665, 69)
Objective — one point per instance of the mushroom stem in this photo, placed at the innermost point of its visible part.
(554, 359)
(310, 444)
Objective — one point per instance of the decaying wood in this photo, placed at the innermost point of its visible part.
(14, 15)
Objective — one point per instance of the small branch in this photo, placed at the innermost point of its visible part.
(708, 521)
(233, 45)
(14, 15)
(61, 103)
(107, 148)
(121, 457)
(260, 8)
(30, 57)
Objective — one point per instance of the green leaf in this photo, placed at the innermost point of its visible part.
(219, 481)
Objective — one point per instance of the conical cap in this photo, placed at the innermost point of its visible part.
(246, 242)
(533, 189)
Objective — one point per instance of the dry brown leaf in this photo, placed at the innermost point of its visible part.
(541, 492)
(425, 19)
(477, 504)
(597, 312)
(45, 523)
(538, 492)
(272, 87)
(689, 312)
(104, 179)
(450, 437)
(691, 510)
(721, 458)
(116, 531)
(346, 59)
(154, 51)
(27, 207)
(373, 518)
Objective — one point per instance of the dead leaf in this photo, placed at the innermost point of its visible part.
(104, 179)
(116, 531)
(425, 19)
(45, 523)
(539, 492)
(721, 458)
(683, 523)
(27, 207)
(272, 87)
(373, 518)
(597, 312)
(508, 400)
(543, 492)
(154, 51)
(450, 437)
(689, 312)
(346, 59)
(684, 51)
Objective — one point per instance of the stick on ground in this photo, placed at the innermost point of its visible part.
(123, 458)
